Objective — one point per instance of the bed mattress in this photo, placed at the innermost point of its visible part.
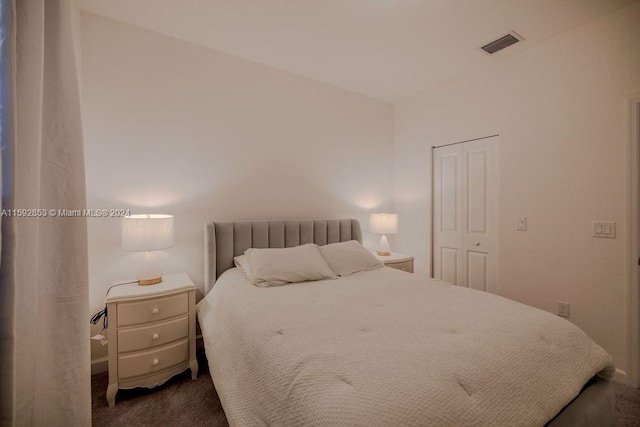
(385, 347)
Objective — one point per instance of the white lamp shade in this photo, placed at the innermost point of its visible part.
(147, 232)
(383, 223)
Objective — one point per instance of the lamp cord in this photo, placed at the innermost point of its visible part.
(96, 317)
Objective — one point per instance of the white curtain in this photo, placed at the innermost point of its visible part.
(44, 330)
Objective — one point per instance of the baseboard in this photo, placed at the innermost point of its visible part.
(99, 365)
(621, 377)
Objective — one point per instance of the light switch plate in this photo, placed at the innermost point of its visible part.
(522, 224)
(604, 229)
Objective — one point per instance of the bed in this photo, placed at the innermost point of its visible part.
(385, 347)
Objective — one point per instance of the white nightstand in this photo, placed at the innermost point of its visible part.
(397, 260)
(152, 333)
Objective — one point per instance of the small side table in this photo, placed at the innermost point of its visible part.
(151, 333)
(398, 261)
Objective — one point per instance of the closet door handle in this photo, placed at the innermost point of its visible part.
(477, 243)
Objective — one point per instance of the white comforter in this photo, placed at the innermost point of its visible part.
(384, 348)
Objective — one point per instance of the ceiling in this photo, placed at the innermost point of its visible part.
(387, 49)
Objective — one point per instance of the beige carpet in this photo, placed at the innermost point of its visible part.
(627, 405)
(186, 402)
(181, 401)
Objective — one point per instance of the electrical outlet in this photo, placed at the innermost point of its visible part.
(563, 309)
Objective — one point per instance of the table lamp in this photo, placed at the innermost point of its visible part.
(384, 223)
(147, 232)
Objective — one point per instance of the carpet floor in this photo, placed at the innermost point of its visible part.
(183, 402)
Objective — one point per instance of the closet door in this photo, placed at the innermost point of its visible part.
(465, 214)
(447, 214)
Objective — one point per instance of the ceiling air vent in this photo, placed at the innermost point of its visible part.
(501, 43)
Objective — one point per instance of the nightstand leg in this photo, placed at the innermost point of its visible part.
(193, 365)
(111, 394)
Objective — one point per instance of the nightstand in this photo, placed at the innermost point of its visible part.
(151, 333)
(398, 261)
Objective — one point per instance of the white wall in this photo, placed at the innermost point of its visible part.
(174, 128)
(559, 109)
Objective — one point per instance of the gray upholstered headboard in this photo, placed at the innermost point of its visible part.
(224, 240)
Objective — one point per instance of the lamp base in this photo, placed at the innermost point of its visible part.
(383, 247)
(150, 272)
(147, 282)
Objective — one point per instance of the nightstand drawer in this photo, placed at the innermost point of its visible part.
(404, 265)
(133, 313)
(144, 337)
(148, 362)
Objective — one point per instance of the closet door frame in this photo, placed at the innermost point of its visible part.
(492, 284)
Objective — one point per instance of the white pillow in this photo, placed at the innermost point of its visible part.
(349, 257)
(242, 264)
(273, 267)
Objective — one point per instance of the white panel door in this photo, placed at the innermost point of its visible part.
(465, 190)
(447, 213)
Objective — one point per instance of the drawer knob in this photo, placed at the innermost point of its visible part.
(155, 336)
(155, 311)
(155, 362)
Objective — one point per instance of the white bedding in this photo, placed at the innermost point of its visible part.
(385, 347)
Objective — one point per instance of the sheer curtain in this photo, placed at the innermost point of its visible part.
(44, 330)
